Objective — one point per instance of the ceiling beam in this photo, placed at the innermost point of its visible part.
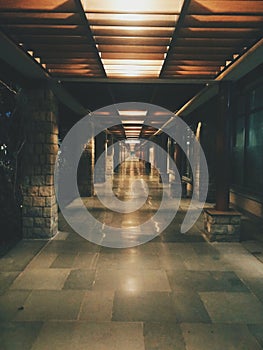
(89, 33)
(183, 81)
(178, 27)
(26, 65)
(238, 69)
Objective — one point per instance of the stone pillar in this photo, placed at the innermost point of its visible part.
(116, 157)
(40, 214)
(161, 160)
(100, 145)
(110, 155)
(85, 170)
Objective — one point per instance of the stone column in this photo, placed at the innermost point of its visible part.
(110, 155)
(116, 157)
(100, 145)
(40, 213)
(86, 169)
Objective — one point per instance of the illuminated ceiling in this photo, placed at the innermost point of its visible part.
(169, 39)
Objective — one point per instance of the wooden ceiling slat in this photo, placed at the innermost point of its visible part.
(73, 70)
(112, 22)
(45, 18)
(204, 63)
(180, 74)
(36, 5)
(223, 21)
(145, 32)
(132, 56)
(51, 39)
(44, 30)
(70, 66)
(73, 75)
(191, 68)
(68, 54)
(72, 60)
(226, 42)
(199, 56)
(203, 49)
(64, 48)
(132, 48)
(225, 7)
(220, 32)
(132, 41)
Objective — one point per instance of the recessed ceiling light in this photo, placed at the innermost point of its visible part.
(132, 113)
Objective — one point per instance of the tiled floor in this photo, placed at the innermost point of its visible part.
(176, 292)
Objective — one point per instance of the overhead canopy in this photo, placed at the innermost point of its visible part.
(140, 38)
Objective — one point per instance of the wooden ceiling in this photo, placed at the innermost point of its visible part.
(141, 38)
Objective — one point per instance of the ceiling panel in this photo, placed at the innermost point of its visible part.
(122, 28)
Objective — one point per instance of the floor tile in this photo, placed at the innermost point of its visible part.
(51, 305)
(257, 331)
(224, 307)
(145, 307)
(172, 262)
(163, 336)
(11, 302)
(95, 336)
(131, 280)
(18, 335)
(6, 279)
(205, 281)
(42, 260)
(112, 280)
(41, 279)
(19, 256)
(155, 280)
(86, 260)
(218, 337)
(123, 261)
(189, 308)
(97, 306)
(206, 263)
(64, 261)
(80, 279)
(255, 285)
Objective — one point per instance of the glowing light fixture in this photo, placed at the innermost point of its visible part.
(132, 113)
(132, 141)
(114, 22)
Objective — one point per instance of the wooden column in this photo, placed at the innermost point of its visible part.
(223, 146)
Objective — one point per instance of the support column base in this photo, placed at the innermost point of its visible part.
(222, 226)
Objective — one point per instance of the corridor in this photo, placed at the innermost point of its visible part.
(175, 292)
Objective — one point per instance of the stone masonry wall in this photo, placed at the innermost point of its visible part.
(85, 170)
(40, 213)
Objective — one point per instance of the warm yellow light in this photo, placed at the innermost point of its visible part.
(113, 62)
(124, 68)
(134, 6)
(132, 121)
(132, 113)
(132, 127)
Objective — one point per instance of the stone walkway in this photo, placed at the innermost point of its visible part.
(175, 292)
